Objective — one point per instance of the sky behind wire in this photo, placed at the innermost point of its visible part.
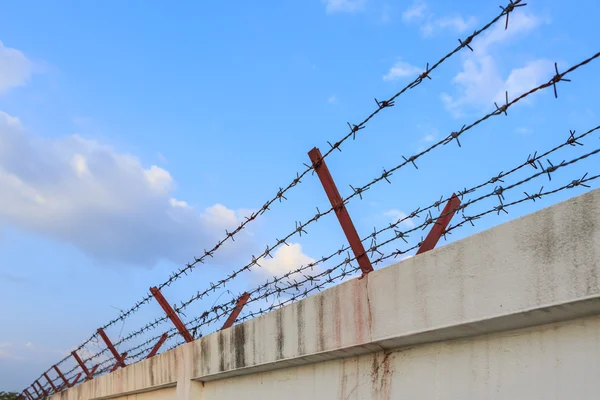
(134, 134)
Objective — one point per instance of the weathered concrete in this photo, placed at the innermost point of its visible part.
(468, 320)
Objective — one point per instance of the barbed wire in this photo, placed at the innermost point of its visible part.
(354, 128)
(300, 227)
(403, 235)
(498, 191)
(358, 191)
(256, 295)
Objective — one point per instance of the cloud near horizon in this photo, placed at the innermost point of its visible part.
(105, 203)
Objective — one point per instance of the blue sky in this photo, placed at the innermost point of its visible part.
(132, 135)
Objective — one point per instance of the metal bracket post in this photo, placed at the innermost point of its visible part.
(89, 374)
(50, 381)
(171, 314)
(340, 210)
(120, 358)
(439, 226)
(120, 362)
(60, 374)
(157, 345)
(236, 311)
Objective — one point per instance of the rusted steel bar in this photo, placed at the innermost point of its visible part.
(157, 345)
(88, 374)
(50, 381)
(29, 396)
(74, 381)
(60, 374)
(340, 210)
(92, 373)
(439, 227)
(171, 314)
(236, 311)
(115, 353)
(120, 362)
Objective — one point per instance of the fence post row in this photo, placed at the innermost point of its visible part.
(171, 314)
(156, 347)
(236, 311)
(119, 357)
(440, 225)
(340, 210)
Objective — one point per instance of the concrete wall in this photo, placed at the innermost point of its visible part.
(510, 313)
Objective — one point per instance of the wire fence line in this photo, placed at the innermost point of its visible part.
(282, 191)
(261, 292)
(298, 284)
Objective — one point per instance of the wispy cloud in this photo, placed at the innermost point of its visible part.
(414, 12)
(349, 6)
(401, 69)
(397, 215)
(522, 130)
(15, 68)
(332, 99)
(455, 23)
(432, 24)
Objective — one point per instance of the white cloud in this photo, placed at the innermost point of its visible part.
(15, 68)
(334, 6)
(481, 82)
(285, 259)
(105, 203)
(396, 215)
(454, 23)
(523, 130)
(401, 69)
(416, 11)
(431, 24)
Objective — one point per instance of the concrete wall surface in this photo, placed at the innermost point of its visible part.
(510, 313)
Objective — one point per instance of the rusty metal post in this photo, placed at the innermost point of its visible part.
(439, 226)
(236, 311)
(60, 374)
(340, 210)
(88, 374)
(120, 362)
(50, 380)
(171, 314)
(29, 396)
(76, 379)
(157, 345)
(115, 353)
